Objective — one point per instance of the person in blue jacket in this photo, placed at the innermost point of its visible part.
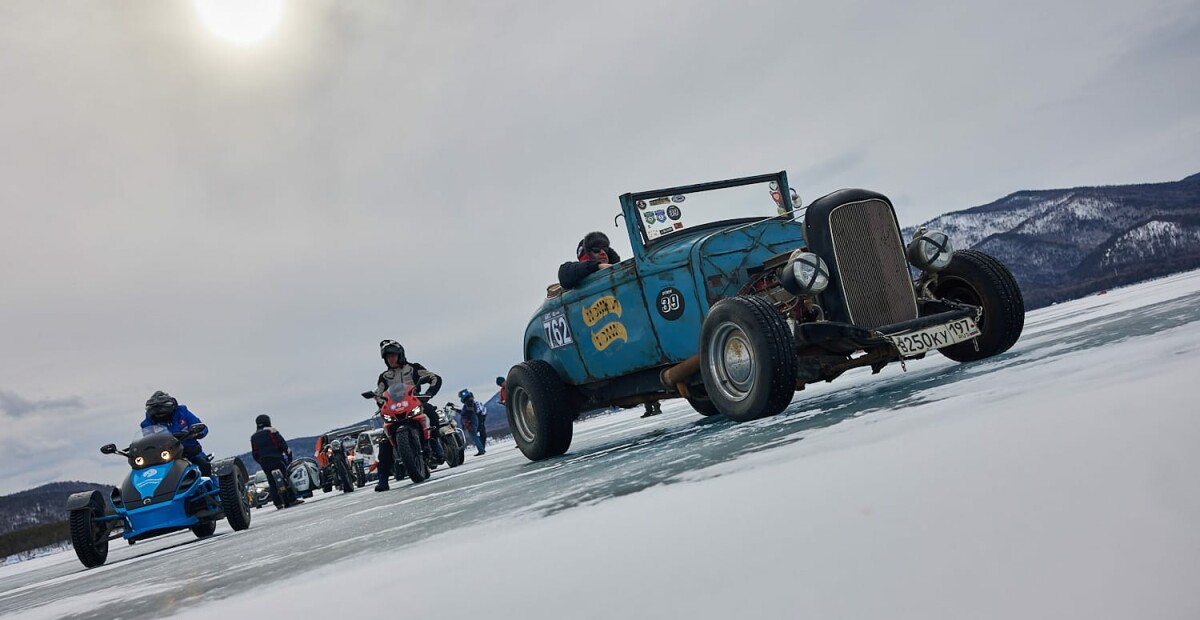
(162, 409)
(474, 420)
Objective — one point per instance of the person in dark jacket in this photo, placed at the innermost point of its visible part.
(593, 253)
(163, 410)
(400, 370)
(271, 452)
(474, 420)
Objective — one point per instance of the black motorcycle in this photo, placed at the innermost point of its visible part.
(454, 440)
(338, 468)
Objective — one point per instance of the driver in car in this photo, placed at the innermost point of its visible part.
(400, 370)
(594, 253)
(162, 409)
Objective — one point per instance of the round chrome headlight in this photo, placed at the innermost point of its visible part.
(165, 455)
(930, 251)
(139, 461)
(804, 274)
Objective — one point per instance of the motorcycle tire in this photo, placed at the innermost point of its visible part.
(408, 449)
(360, 473)
(343, 474)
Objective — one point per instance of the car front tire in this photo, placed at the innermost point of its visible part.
(747, 358)
(976, 278)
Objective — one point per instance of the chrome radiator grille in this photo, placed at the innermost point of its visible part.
(872, 269)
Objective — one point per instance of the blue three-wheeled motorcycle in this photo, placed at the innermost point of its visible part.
(164, 493)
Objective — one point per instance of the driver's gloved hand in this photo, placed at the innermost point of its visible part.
(181, 435)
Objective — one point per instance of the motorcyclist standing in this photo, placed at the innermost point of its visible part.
(162, 409)
(400, 370)
(270, 450)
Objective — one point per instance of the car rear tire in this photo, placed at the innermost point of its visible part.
(747, 358)
(976, 278)
(539, 410)
(233, 499)
(204, 530)
(89, 537)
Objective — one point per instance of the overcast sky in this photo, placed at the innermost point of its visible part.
(240, 226)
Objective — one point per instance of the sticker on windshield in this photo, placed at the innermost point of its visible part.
(558, 332)
(654, 218)
(678, 198)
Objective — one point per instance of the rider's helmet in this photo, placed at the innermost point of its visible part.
(464, 394)
(161, 407)
(500, 381)
(391, 346)
(262, 421)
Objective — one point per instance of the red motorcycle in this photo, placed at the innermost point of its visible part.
(407, 428)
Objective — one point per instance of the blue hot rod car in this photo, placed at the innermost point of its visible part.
(735, 298)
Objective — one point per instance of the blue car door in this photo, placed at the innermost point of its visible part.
(612, 329)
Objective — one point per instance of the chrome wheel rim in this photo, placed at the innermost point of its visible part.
(730, 361)
(524, 416)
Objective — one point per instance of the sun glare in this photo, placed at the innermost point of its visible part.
(241, 22)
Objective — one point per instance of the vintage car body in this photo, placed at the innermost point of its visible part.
(637, 332)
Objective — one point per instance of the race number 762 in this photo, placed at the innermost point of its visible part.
(558, 331)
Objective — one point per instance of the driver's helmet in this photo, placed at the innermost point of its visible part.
(464, 394)
(500, 381)
(161, 407)
(391, 346)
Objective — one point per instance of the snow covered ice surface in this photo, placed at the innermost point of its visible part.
(1054, 481)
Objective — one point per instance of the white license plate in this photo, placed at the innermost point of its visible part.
(912, 344)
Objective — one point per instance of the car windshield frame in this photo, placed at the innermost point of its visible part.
(637, 229)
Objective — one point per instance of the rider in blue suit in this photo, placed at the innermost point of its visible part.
(162, 409)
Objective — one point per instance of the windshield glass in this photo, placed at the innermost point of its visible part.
(663, 216)
(397, 391)
(153, 429)
(260, 476)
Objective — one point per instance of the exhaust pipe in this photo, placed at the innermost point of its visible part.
(675, 378)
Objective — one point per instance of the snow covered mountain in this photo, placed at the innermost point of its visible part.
(1065, 243)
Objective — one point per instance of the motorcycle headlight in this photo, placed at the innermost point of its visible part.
(165, 455)
(139, 461)
(930, 251)
(804, 274)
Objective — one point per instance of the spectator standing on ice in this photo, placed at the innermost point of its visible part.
(474, 417)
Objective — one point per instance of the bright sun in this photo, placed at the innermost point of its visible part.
(241, 22)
